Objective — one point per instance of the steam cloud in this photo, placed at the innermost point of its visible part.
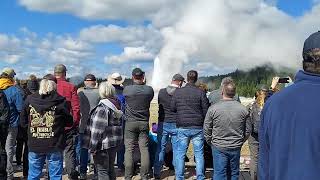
(228, 33)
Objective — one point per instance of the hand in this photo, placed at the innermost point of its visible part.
(275, 82)
(290, 80)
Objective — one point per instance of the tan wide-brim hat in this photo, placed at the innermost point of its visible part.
(115, 79)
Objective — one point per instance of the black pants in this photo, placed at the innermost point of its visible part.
(70, 154)
(136, 132)
(19, 153)
(104, 162)
(3, 154)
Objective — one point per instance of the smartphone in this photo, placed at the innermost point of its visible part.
(283, 80)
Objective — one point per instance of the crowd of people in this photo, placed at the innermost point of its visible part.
(52, 122)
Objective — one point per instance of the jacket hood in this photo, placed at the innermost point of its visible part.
(171, 89)
(116, 112)
(45, 102)
(6, 83)
(309, 77)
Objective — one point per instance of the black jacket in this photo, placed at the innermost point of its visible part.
(191, 105)
(164, 101)
(46, 117)
(4, 109)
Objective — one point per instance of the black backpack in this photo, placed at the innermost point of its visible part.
(4, 109)
(255, 112)
(4, 121)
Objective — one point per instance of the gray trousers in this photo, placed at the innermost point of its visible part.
(10, 149)
(104, 163)
(136, 132)
(254, 155)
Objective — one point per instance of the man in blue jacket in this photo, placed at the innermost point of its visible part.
(290, 127)
(15, 101)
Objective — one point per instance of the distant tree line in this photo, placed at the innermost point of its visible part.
(248, 81)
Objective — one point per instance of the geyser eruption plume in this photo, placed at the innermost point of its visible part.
(228, 33)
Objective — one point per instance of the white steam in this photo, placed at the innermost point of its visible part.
(229, 33)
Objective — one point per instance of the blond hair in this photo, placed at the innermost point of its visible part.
(106, 90)
(47, 86)
(261, 96)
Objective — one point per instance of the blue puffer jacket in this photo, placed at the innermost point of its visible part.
(15, 101)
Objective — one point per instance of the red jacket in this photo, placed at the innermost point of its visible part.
(69, 91)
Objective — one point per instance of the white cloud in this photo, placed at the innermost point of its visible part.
(11, 49)
(99, 9)
(133, 36)
(130, 54)
(230, 33)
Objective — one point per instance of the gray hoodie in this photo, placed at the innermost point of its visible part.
(164, 101)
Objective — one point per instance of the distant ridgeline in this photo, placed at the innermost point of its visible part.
(247, 81)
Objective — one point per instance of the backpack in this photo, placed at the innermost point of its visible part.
(4, 109)
(122, 101)
(255, 112)
(4, 121)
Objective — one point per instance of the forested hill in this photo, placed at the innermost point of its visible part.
(247, 81)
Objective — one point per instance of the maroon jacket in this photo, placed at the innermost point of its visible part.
(69, 91)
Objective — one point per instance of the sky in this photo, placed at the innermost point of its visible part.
(106, 36)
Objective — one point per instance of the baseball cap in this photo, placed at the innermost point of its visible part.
(90, 77)
(50, 77)
(177, 77)
(60, 68)
(137, 72)
(263, 87)
(312, 42)
(9, 71)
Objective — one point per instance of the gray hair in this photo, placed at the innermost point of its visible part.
(106, 90)
(47, 86)
(226, 79)
(228, 87)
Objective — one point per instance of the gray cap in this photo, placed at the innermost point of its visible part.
(177, 77)
(263, 87)
(60, 68)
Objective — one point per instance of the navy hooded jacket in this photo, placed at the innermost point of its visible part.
(289, 133)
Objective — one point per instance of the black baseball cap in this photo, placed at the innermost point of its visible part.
(312, 42)
(177, 77)
(137, 72)
(50, 77)
(90, 77)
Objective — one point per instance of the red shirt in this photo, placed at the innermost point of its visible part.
(69, 91)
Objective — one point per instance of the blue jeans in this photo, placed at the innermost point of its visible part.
(197, 138)
(82, 155)
(37, 160)
(226, 164)
(165, 132)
